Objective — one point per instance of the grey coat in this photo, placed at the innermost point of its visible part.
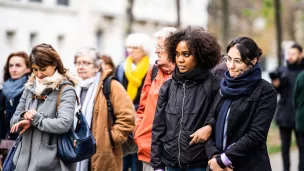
(38, 149)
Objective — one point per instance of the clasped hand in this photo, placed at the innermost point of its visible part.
(214, 166)
(24, 124)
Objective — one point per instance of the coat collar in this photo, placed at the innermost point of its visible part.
(67, 78)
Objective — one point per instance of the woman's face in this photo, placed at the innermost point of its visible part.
(42, 72)
(185, 61)
(136, 53)
(235, 64)
(17, 67)
(85, 67)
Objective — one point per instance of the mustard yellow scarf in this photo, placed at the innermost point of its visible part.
(135, 77)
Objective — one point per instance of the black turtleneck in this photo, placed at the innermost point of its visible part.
(195, 75)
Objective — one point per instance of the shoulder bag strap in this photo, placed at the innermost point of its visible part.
(111, 117)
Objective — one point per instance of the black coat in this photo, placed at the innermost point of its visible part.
(7, 110)
(181, 110)
(286, 114)
(248, 125)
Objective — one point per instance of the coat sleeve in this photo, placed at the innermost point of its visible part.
(2, 105)
(159, 127)
(124, 112)
(258, 129)
(297, 89)
(143, 100)
(65, 114)
(20, 110)
(3, 124)
(210, 147)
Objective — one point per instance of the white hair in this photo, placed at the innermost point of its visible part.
(139, 40)
(89, 52)
(165, 32)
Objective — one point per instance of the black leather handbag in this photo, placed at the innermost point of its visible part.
(79, 144)
(8, 163)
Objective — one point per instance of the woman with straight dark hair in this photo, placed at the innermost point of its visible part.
(38, 116)
(242, 112)
(178, 132)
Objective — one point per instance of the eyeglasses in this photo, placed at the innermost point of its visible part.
(228, 60)
(84, 64)
(159, 47)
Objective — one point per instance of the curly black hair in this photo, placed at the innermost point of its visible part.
(202, 45)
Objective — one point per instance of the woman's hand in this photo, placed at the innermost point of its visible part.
(24, 124)
(214, 165)
(201, 135)
(29, 115)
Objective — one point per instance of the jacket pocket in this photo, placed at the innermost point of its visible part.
(47, 157)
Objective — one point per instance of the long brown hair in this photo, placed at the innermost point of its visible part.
(21, 54)
(44, 55)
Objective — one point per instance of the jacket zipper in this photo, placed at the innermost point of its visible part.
(181, 121)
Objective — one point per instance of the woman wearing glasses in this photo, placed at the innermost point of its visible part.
(37, 116)
(242, 112)
(95, 110)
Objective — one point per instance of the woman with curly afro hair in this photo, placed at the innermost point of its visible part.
(179, 129)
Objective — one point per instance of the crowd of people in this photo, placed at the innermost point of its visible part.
(196, 109)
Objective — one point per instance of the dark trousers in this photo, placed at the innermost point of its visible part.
(285, 134)
(131, 161)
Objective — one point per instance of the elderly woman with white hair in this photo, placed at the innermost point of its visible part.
(131, 74)
(94, 108)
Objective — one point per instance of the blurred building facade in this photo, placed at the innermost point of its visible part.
(72, 24)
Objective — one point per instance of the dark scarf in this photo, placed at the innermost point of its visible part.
(232, 88)
(243, 84)
(196, 75)
(13, 88)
